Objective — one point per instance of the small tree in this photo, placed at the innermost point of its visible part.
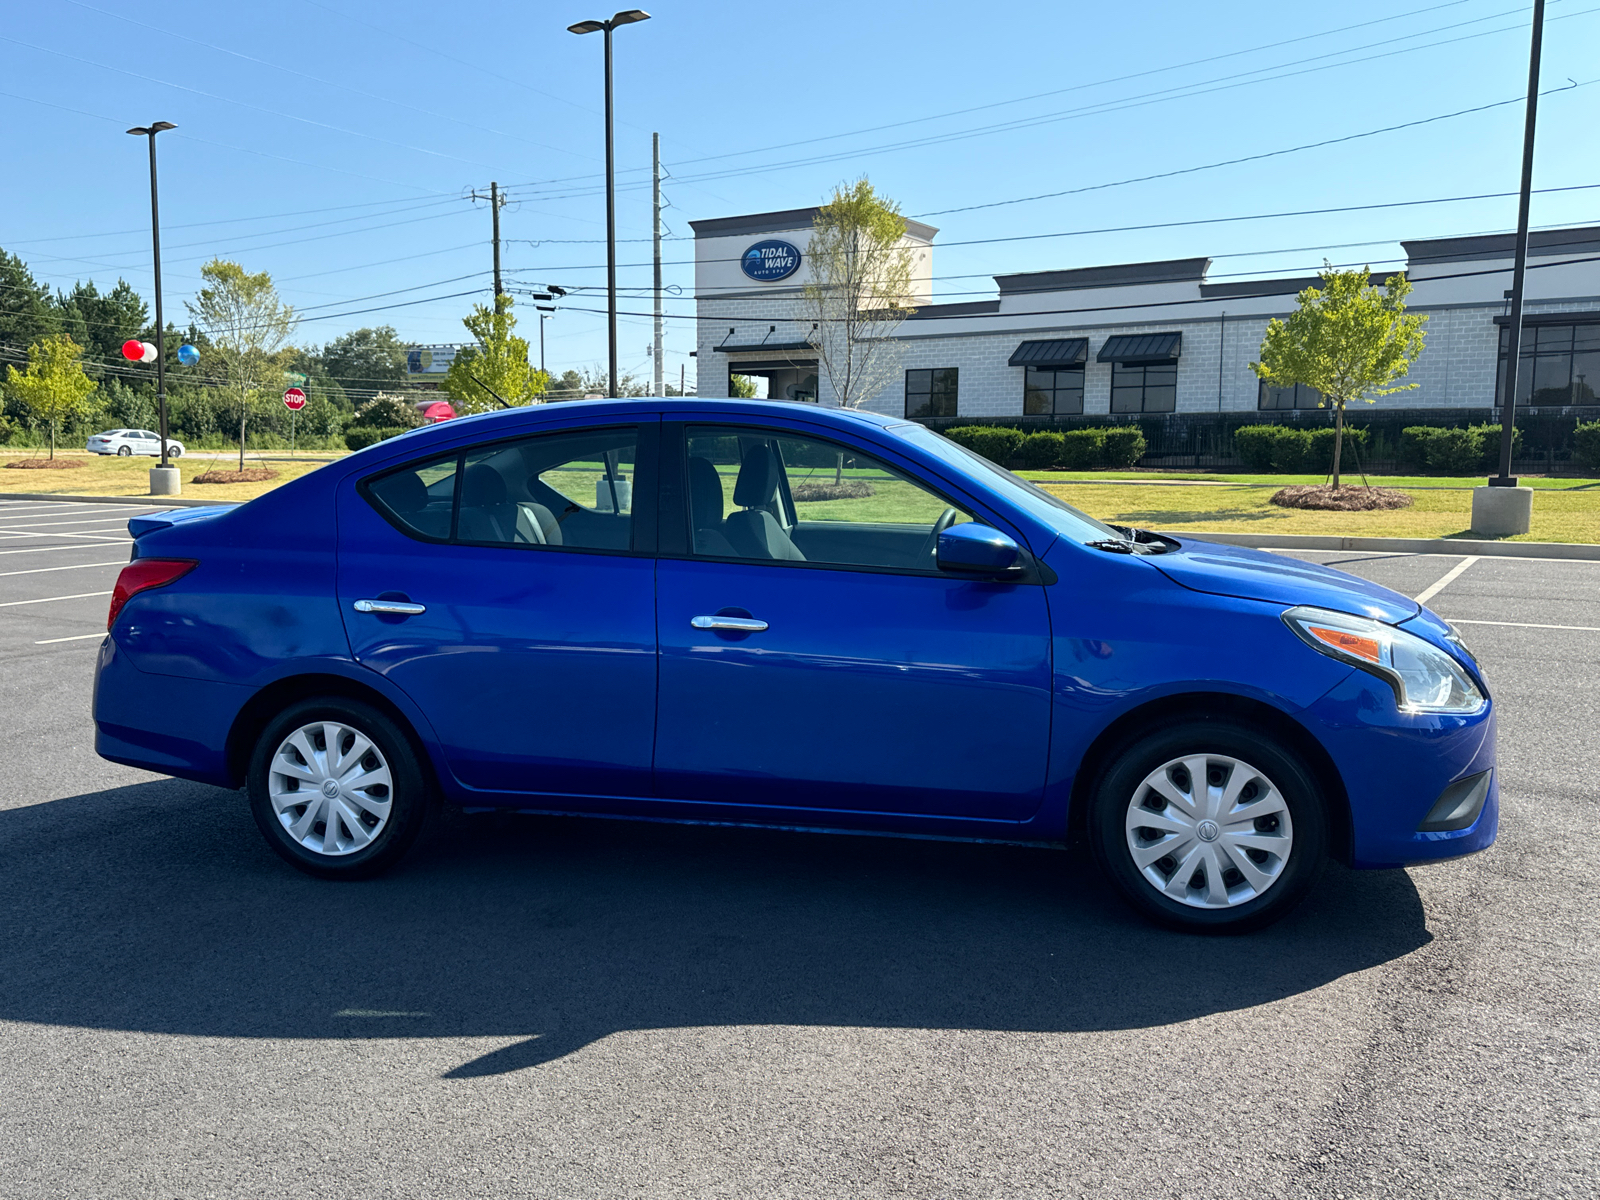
(860, 290)
(54, 386)
(499, 360)
(1348, 339)
(249, 329)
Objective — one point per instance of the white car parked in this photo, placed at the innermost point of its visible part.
(132, 441)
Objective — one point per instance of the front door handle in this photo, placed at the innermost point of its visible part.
(402, 608)
(740, 624)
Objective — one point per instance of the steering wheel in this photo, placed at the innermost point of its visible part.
(930, 548)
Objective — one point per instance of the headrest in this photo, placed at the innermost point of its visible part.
(482, 487)
(404, 493)
(705, 493)
(758, 478)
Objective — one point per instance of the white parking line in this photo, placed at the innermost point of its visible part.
(51, 599)
(69, 567)
(49, 549)
(77, 637)
(1525, 625)
(1449, 577)
(109, 519)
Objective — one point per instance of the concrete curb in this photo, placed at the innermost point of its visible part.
(141, 501)
(1456, 546)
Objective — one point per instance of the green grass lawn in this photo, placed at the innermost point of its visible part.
(1282, 481)
(109, 475)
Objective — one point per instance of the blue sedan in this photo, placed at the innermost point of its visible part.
(775, 614)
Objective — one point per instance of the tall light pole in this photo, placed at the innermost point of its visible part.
(622, 18)
(165, 484)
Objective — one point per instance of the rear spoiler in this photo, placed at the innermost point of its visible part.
(139, 526)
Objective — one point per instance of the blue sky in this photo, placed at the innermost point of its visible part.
(333, 144)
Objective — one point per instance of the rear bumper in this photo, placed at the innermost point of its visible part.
(163, 723)
(1394, 767)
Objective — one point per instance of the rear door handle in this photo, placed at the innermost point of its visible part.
(742, 624)
(401, 607)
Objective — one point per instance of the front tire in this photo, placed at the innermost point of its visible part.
(1210, 826)
(336, 788)
(174, 451)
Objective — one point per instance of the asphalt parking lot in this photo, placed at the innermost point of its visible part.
(548, 1008)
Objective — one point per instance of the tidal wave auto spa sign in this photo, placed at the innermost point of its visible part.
(770, 261)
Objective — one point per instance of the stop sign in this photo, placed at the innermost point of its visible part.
(294, 399)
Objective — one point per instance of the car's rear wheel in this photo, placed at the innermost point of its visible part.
(336, 788)
(124, 451)
(1210, 825)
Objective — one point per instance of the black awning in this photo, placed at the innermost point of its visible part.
(1141, 347)
(1047, 355)
(764, 347)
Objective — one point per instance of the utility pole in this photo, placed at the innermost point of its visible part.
(496, 202)
(680, 380)
(655, 160)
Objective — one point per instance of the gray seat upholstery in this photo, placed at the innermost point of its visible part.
(705, 509)
(489, 515)
(753, 531)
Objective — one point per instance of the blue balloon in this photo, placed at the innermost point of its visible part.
(188, 355)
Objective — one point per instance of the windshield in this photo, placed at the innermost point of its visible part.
(1040, 504)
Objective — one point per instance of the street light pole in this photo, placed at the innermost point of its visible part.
(150, 132)
(628, 17)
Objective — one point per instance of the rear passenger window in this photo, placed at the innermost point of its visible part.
(419, 498)
(572, 490)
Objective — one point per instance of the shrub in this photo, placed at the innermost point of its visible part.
(1455, 451)
(1082, 449)
(1319, 450)
(1586, 442)
(1272, 447)
(1040, 450)
(1125, 445)
(994, 442)
(1489, 436)
(359, 437)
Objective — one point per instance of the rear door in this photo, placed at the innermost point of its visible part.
(508, 590)
(875, 683)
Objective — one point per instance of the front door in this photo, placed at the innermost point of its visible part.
(506, 590)
(877, 683)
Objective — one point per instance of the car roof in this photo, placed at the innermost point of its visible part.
(687, 407)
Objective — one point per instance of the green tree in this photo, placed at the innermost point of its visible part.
(26, 312)
(54, 387)
(249, 329)
(741, 387)
(859, 291)
(366, 360)
(499, 360)
(1348, 339)
(100, 324)
(568, 387)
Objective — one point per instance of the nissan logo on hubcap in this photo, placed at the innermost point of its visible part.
(330, 789)
(1207, 830)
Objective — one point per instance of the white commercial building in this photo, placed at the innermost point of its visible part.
(1144, 339)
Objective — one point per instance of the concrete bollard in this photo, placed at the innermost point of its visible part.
(1501, 511)
(165, 481)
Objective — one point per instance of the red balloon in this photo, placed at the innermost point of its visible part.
(133, 350)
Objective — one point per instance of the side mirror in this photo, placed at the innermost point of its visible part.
(978, 550)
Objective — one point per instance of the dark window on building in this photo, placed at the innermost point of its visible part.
(1298, 395)
(1560, 365)
(1053, 392)
(1144, 387)
(931, 393)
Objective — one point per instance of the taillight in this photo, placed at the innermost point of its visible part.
(141, 576)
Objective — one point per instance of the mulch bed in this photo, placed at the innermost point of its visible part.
(850, 489)
(44, 464)
(248, 475)
(1343, 499)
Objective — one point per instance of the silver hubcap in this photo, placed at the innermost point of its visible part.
(1209, 831)
(330, 788)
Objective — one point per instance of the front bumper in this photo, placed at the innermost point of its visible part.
(1395, 766)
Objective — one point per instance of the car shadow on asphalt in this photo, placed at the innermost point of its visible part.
(158, 908)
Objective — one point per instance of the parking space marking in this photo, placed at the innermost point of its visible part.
(1449, 577)
(51, 599)
(106, 520)
(49, 549)
(77, 637)
(1525, 625)
(69, 567)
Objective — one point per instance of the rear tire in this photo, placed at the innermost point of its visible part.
(1233, 853)
(336, 788)
(124, 451)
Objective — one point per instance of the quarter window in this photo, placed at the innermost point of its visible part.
(931, 393)
(1144, 387)
(1296, 395)
(1559, 365)
(1048, 393)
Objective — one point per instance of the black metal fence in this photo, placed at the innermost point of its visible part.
(1204, 441)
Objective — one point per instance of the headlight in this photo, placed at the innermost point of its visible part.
(1425, 679)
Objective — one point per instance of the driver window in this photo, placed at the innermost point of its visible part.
(757, 494)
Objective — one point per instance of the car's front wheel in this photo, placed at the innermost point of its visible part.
(1210, 825)
(336, 788)
(174, 451)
